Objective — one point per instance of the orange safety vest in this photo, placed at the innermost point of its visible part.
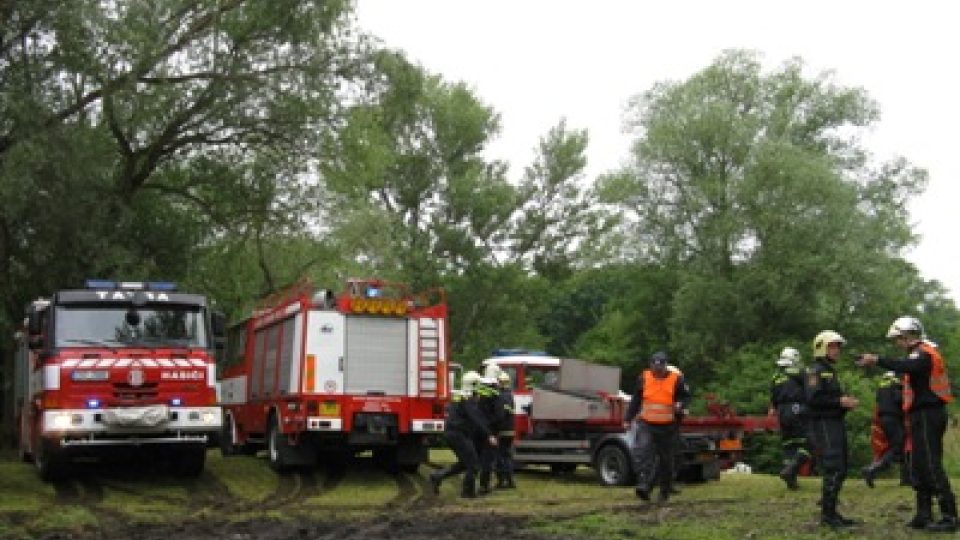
(939, 381)
(657, 405)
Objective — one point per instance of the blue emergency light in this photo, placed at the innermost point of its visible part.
(93, 403)
(167, 286)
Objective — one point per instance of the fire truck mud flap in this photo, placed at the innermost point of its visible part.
(284, 456)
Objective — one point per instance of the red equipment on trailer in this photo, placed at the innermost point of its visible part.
(311, 373)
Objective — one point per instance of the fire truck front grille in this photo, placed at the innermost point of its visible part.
(127, 393)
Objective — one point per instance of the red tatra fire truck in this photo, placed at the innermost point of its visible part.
(116, 367)
(312, 373)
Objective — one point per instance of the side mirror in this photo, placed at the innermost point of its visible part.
(218, 324)
(35, 329)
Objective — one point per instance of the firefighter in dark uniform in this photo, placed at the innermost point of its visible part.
(889, 412)
(661, 394)
(827, 405)
(465, 423)
(786, 397)
(489, 402)
(505, 433)
(926, 392)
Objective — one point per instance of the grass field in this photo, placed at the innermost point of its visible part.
(107, 503)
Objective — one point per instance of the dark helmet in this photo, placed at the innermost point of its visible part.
(659, 359)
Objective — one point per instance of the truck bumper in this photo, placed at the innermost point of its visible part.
(132, 426)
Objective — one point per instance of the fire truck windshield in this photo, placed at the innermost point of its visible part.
(115, 325)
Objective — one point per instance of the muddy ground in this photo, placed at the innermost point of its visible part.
(414, 513)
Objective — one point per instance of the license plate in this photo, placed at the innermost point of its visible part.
(329, 408)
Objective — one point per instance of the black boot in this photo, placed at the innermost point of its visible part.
(436, 477)
(509, 481)
(924, 511)
(484, 487)
(869, 472)
(501, 481)
(789, 475)
(905, 478)
(828, 507)
(469, 490)
(643, 491)
(948, 516)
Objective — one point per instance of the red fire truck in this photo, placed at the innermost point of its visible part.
(314, 373)
(113, 367)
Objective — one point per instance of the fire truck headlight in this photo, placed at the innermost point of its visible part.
(61, 421)
(90, 375)
(209, 417)
(176, 402)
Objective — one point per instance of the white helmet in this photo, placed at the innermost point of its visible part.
(906, 325)
(470, 381)
(492, 371)
(788, 357)
(824, 339)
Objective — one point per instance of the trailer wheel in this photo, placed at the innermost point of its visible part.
(613, 466)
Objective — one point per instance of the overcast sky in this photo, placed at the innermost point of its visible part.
(536, 61)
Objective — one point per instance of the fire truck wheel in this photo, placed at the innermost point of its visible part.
(613, 466)
(228, 446)
(276, 446)
(49, 460)
(189, 461)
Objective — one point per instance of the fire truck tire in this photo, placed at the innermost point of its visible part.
(49, 460)
(277, 447)
(189, 461)
(228, 444)
(614, 466)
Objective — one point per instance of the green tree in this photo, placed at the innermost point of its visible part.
(751, 186)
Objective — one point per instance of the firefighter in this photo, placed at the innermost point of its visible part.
(464, 424)
(827, 405)
(889, 418)
(926, 391)
(661, 394)
(489, 404)
(786, 397)
(505, 433)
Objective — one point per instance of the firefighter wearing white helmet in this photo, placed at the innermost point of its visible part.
(926, 392)
(488, 393)
(827, 404)
(505, 433)
(465, 425)
(786, 398)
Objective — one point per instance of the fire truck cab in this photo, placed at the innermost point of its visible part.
(116, 366)
(312, 373)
